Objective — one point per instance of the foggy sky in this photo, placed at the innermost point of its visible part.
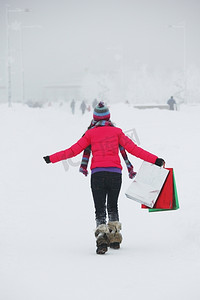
(77, 36)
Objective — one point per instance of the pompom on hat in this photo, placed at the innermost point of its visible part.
(101, 112)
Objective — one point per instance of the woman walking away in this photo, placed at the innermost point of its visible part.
(105, 141)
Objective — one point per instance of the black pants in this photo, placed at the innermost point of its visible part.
(105, 190)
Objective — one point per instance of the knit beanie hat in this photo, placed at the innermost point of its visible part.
(101, 112)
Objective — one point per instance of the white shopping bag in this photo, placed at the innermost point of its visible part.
(147, 184)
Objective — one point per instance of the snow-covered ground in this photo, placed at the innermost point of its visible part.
(47, 244)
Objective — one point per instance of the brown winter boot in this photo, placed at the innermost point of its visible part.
(115, 237)
(102, 240)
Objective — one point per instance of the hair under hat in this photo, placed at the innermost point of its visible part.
(101, 112)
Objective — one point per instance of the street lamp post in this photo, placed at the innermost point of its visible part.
(8, 58)
(9, 79)
(183, 27)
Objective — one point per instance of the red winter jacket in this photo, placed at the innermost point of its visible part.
(104, 143)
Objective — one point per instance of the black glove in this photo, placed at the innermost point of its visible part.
(159, 162)
(47, 159)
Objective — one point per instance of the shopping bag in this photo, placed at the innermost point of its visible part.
(168, 197)
(147, 184)
(176, 202)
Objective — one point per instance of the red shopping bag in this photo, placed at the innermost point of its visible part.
(168, 198)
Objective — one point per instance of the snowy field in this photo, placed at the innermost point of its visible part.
(47, 244)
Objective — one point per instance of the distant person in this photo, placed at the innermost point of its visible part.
(94, 103)
(83, 107)
(104, 141)
(72, 105)
(172, 103)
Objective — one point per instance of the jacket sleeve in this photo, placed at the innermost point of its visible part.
(132, 148)
(74, 150)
